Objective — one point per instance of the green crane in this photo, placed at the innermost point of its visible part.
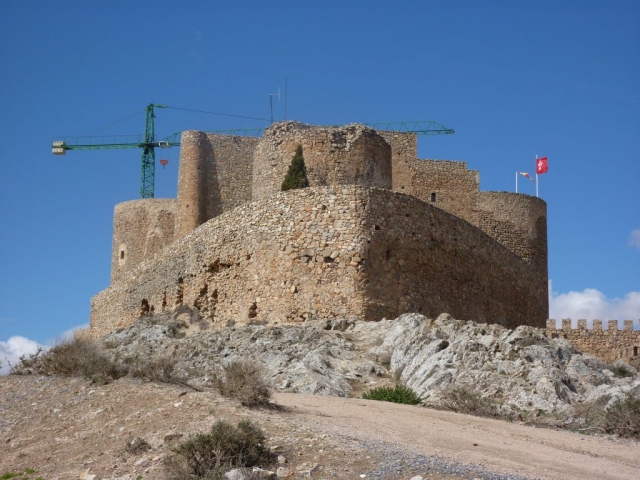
(147, 143)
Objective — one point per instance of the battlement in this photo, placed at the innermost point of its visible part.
(609, 344)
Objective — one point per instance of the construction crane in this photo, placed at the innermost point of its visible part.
(147, 143)
(419, 127)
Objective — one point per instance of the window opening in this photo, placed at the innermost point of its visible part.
(121, 254)
(433, 197)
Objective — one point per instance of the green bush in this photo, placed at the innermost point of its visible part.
(297, 174)
(623, 416)
(245, 380)
(397, 394)
(209, 455)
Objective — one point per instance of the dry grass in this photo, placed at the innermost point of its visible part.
(623, 416)
(82, 357)
(464, 400)
(77, 356)
(245, 381)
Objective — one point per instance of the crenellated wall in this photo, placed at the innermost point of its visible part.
(611, 344)
(140, 229)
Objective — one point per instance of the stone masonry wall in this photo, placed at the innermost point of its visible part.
(611, 344)
(348, 251)
(454, 187)
(351, 155)
(140, 229)
(215, 176)
(422, 259)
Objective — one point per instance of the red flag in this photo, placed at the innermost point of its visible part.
(541, 165)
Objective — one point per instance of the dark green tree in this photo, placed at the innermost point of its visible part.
(297, 174)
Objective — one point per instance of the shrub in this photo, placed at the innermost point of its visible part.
(209, 455)
(157, 370)
(463, 400)
(398, 394)
(623, 416)
(77, 356)
(297, 174)
(620, 370)
(245, 380)
(137, 445)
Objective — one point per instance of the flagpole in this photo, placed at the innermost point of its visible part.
(536, 175)
(516, 182)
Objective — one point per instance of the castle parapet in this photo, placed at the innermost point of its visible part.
(611, 344)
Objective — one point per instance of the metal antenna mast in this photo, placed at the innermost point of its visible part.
(271, 95)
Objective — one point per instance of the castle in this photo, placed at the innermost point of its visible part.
(378, 233)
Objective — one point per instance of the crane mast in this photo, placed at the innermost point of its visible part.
(147, 143)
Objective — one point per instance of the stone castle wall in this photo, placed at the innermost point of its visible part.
(349, 252)
(376, 254)
(140, 229)
(611, 344)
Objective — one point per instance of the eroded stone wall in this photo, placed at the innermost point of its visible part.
(611, 344)
(351, 155)
(140, 229)
(346, 252)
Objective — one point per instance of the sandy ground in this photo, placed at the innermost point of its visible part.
(67, 428)
(496, 445)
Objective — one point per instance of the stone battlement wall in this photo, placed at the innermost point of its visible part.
(611, 344)
(350, 252)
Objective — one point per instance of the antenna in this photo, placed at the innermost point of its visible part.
(271, 95)
(286, 90)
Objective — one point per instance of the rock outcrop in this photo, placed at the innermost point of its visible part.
(521, 370)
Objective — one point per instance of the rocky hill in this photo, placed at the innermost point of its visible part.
(517, 372)
(61, 428)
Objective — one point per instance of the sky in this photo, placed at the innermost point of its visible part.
(559, 79)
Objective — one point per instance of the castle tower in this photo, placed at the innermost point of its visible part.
(347, 155)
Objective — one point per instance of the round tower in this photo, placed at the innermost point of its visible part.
(196, 159)
(519, 222)
(140, 228)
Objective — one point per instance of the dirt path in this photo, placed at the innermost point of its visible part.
(64, 428)
(496, 445)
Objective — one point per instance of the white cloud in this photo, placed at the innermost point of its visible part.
(13, 349)
(593, 304)
(17, 346)
(634, 238)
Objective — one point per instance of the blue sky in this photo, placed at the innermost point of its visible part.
(514, 79)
